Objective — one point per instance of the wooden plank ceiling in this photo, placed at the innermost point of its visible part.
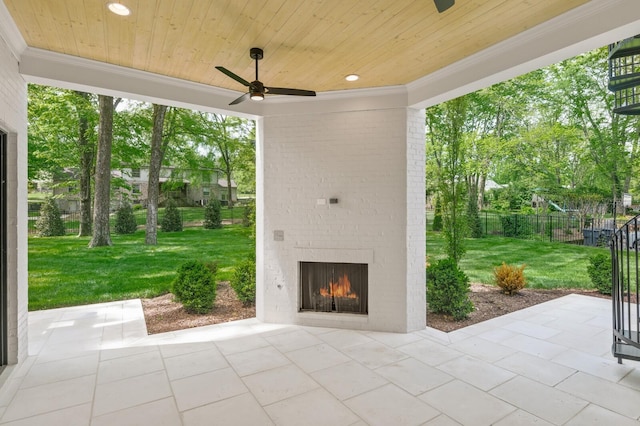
(308, 44)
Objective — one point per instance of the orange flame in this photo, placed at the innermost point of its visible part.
(340, 289)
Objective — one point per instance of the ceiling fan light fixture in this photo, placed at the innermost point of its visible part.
(352, 77)
(257, 96)
(118, 8)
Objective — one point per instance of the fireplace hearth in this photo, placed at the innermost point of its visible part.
(334, 287)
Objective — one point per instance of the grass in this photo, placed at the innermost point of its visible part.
(549, 265)
(64, 272)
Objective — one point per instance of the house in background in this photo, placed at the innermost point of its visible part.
(185, 187)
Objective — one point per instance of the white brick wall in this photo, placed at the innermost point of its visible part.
(13, 121)
(373, 162)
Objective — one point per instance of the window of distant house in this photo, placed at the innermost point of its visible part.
(224, 197)
(70, 189)
(205, 190)
(135, 173)
(135, 189)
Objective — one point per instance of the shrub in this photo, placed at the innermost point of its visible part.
(515, 226)
(212, 215)
(195, 287)
(437, 224)
(125, 220)
(473, 219)
(510, 278)
(600, 272)
(448, 289)
(50, 224)
(243, 281)
(171, 221)
(249, 214)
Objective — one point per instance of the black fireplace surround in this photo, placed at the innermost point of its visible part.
(334, 287)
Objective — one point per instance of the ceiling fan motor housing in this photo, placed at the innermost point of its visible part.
(256, 53)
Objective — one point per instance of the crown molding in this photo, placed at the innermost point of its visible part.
(10, 33)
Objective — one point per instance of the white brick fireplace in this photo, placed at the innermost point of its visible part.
(370, 161)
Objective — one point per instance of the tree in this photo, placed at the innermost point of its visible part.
(125, 220)
(50, 224)
(102, 203)
(86, 148)
(158, 147)
(212, 216)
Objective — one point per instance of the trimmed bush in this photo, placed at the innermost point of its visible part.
(510, 278)
(473, 219)
(125, 220)
(195, 287)
(171, 221)
(249, 214)
(516, 226)
(244, 281)
(448, 289)
(212, 215)
(50, 224)
(437, 224)
(600, 271)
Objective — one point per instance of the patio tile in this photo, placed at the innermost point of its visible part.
(497, 335)
(243, 344)
(389, 405)
(65, 369)
(190, 364)
(279, 383)
(596, 416)
(241, 410)
(317, 357)
(115, 396)
(482, 349)
(317, 407)
(596, 344)
(171, 350)
(50, 397)
(522, 418)
(604, 393)
(596, 366)
(467, 404)
(393, 340)
(543, 401)
(348, 379)
(478, 373)
(341, 339)
(257, 360)
(206, 388)
(533, 346)
(441, 420)
(430, 353)
(80, 415)
(108, 354)
(538, 369)
(157, 413)
(374, 354)
(531, 329)
(293, 340)
(414, 376)
(130, 366)
(632, 379)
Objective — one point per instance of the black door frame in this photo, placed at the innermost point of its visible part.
(3, 252)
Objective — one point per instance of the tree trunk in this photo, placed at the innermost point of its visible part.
(229, 189)
(153, 194)
(86, 165)
(101, 234)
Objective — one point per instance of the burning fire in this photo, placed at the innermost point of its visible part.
(340, 289)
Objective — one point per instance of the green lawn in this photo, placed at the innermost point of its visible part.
(64, 272)
(549, 265)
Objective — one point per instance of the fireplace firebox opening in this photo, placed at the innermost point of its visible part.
(334, 287)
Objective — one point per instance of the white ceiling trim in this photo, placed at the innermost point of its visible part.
(10, 33)
(587, 27)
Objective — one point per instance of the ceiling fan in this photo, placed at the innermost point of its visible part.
(443, 5)
(257, 90)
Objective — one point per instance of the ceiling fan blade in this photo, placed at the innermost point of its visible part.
(443, 5)
(241, 99)
(234, 76)
(284, 91)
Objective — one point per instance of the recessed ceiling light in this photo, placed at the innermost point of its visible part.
(118, 8)
(352, 77)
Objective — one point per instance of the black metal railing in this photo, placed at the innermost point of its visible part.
(625, 291)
